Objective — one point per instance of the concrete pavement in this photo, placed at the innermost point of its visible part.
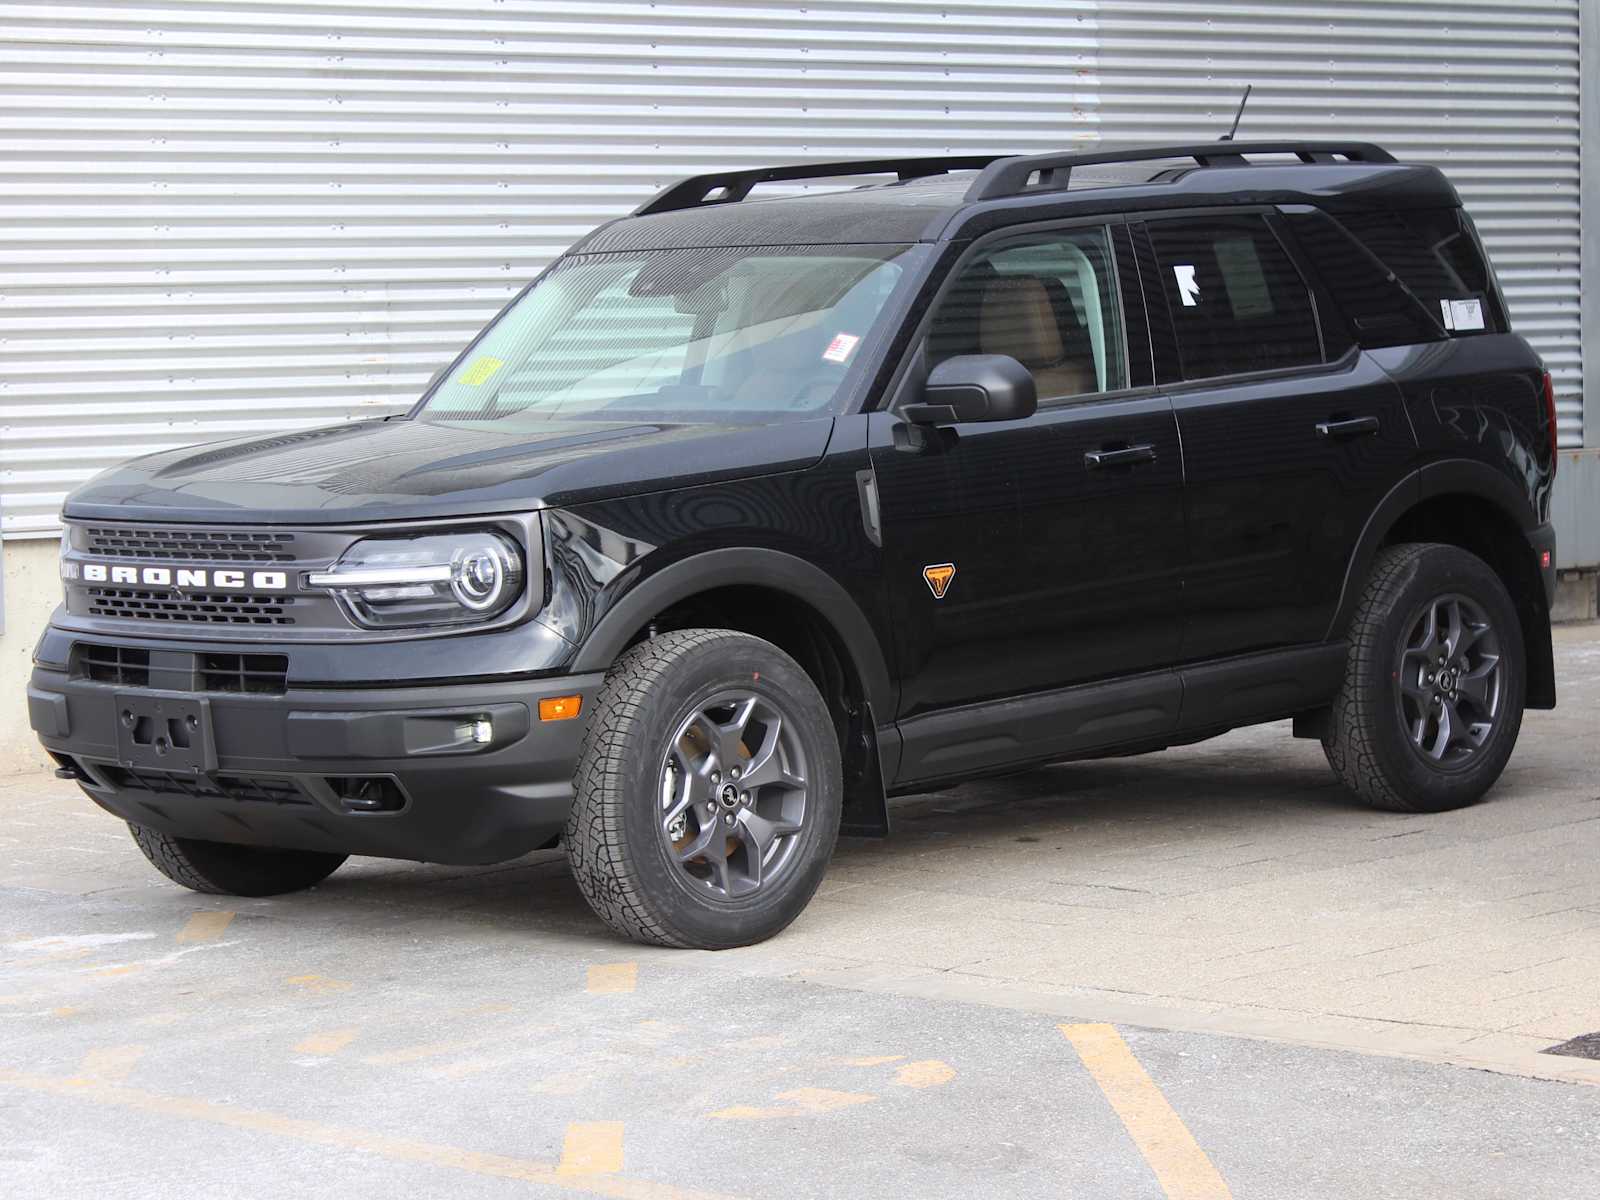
(1297, 986)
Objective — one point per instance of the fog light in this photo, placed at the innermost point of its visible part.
(559, 708)
(478, 730)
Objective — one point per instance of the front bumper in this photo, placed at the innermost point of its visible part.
(393, 772)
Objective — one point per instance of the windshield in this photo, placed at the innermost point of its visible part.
(745, 334)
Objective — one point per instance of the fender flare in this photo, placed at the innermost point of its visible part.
(1431, 479)
(751, 567)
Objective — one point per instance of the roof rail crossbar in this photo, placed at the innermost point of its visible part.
(1010, 176)
(727, 187)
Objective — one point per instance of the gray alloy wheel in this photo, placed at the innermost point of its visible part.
(1449, 674)
(706, 802)
(734, 794)
(1434, 684)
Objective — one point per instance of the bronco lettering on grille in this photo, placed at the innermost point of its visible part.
(226, 580)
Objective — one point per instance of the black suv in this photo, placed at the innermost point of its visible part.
(748, 513)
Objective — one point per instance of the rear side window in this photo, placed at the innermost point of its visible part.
(1237, 302)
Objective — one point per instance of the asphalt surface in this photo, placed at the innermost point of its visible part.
(1198, 974)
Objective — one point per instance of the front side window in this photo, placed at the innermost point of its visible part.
(742, 335)
(1050, 302)
(1237, 302)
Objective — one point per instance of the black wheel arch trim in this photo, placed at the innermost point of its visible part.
(751, 567)
(1400, 499)
(1455, 475)
(1431, 479)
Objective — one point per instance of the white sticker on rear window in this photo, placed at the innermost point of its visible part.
(1188, 289)
(1462, 315)
(841, 348)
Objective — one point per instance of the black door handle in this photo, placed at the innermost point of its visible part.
(1347, 427)
(1125, 456)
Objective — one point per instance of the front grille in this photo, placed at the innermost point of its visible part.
(189, 545)
(266, 789)
(198, 608)
(260, 674)
(122, 665)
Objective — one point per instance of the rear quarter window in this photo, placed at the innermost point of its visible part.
(1402, 277)
(1435, 254)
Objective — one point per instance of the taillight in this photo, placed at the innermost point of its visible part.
(1550, 418)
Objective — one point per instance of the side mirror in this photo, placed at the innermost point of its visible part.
(975, 387)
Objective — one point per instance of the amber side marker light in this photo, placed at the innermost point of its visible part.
(559, 708)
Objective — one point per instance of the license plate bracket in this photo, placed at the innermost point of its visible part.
(165, 733)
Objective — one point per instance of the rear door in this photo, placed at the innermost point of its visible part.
(1291, 435)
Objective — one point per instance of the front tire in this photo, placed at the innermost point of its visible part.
(708, 794)
(223, 869)
(1434, 684)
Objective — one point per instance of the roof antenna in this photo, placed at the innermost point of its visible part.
(1245, 99)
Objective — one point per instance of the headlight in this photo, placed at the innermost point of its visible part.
(435, 579)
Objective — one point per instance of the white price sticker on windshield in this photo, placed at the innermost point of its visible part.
(841, 348)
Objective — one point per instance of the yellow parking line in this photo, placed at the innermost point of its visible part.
(110, 1064)
(930, 1072)
(802, 1102)
(330, 1041)
(317, 985)
(1180, 1166)
(205, 927)
(613, 977)
(345, 1138)
(592, 1148)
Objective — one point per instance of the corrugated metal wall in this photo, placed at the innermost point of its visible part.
(223, 217)
(1485, 89)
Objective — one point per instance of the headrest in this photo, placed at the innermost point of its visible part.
(1018, 319)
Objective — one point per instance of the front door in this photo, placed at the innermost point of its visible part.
(1034, 554)
(1291, 436)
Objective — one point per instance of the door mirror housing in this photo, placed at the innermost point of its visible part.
(975, 387)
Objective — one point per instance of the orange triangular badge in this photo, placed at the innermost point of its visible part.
(939, 576)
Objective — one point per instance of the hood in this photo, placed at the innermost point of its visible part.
(402, 469)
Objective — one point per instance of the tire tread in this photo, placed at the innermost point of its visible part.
(167, 855)
(598, 850)
(1349, 747)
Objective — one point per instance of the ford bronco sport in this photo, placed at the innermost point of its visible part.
(749, 513)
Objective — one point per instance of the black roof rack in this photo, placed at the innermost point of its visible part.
(726, 187)
(998, 174)
(1009, 176)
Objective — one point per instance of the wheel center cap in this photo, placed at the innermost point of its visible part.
(729, 796)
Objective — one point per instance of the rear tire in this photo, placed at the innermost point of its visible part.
(708, 795)
(1434, 684)
(222, 869)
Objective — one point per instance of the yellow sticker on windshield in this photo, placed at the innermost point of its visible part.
(481, 370)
